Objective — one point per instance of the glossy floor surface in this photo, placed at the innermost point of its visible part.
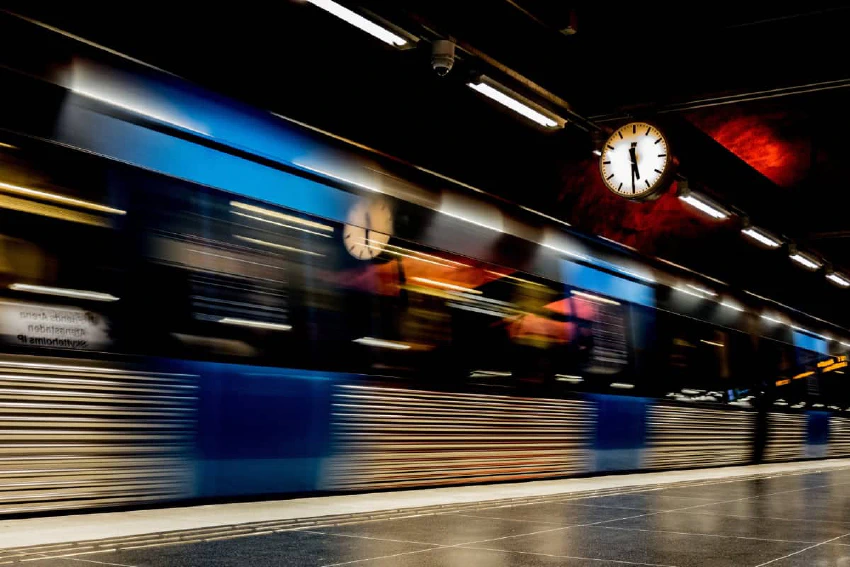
(782, 520)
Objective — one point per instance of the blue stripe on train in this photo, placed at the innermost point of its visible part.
(591, 279)
(808, 342)
(260, 430)
(149, 149)
(817, 434)
(620, 435)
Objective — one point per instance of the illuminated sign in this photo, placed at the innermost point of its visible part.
(832, 361)
(804, 375)
(836, 366)
(824, 366)
(53, 326)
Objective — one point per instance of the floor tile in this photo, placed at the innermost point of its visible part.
(54, 563)
(563, 513)
(647, 547)
(726, 491)
(646, 501)
(780, 506)
(820, 556)
(462, 557)
(440, 530)
(289, 548)
(726, 526)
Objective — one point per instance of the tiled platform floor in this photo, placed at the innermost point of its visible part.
(787, 519)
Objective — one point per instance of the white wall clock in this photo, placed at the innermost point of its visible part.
(636, 161)
(368, 228)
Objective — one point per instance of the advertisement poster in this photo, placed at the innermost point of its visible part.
(36, 325)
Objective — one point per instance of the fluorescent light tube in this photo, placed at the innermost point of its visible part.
(762, 237)
(360, 22)
(505, 97)
(805, 261)
(838, 279)
(704, 205)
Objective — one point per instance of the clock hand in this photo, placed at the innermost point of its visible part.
(368, 228)
(633, 155)
(633, 178)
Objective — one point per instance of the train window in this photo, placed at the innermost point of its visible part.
(703, 363)
(97, 256)
(61, 273)
(806, 379)
(246, 281)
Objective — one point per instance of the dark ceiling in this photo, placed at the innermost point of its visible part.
(709, 73)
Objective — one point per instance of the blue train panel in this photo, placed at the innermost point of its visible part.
(598, 281)
(176, 103)
(817, 434)
(620, 434)
(260, 430)
(809, 342)
(82, 127)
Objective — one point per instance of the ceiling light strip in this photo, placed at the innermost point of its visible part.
(805, 260)
(360, 22)
(838, 279)
(762, 237)
(515, 102)
(705, 205)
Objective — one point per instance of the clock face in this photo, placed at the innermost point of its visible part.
(368, 228)
(635, 161)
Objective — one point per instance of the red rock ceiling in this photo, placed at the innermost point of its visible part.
(769, 141)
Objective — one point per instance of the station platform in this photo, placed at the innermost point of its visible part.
(783, 515)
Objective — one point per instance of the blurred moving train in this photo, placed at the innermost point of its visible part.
(199, 299)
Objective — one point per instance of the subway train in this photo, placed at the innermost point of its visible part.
(202, 300)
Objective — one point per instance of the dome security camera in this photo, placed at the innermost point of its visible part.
(442, 56)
